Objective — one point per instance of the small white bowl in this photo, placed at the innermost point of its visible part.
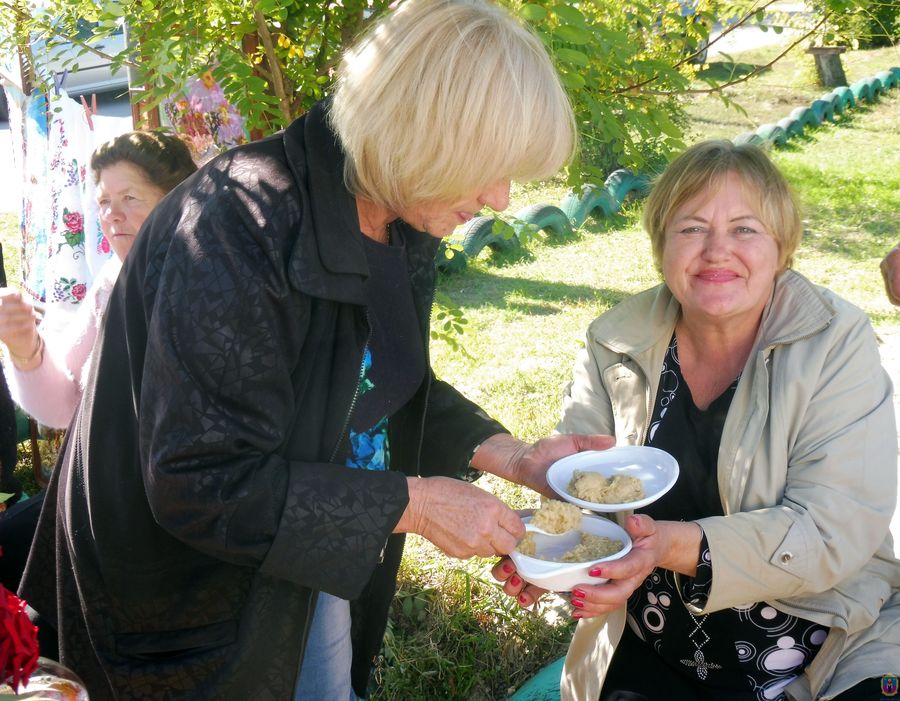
(564, 576)
(657, 470)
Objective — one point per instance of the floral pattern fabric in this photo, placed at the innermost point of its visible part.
(63, 247)
(203, 116)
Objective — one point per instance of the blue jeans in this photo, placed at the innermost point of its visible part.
(325, 669)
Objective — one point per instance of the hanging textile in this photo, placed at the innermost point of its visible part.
(204, 118)
(35, 218)
(63, 247)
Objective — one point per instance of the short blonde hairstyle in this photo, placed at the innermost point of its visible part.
(442, 98)
(703, 167)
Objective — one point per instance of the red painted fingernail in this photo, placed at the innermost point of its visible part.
(578, 602)
(596, 572)
(577, 614)
(515, 581)
(508, 567)
(578, 592)
(523, 599)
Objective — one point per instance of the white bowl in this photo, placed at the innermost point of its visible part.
(564, 576)
(654, 467)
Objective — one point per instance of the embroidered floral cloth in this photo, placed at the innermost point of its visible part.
(203, 116)
(63, 247)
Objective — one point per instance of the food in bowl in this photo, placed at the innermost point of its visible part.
(655, 468)
(594, 487)
(546, 570)
(590, 547)
(556, 516)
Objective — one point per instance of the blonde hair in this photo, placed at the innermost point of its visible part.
(442, 98)
(703, 167)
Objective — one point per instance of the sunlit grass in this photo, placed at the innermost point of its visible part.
(771, 95)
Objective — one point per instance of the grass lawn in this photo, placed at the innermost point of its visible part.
(771, 95)
(452, 634)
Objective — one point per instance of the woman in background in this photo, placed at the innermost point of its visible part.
(263, 425)
(46, 376)
(47, 372)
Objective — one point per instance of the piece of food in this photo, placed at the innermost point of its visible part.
(591, 547)
(556, 516)
(527, 546)
(597, 489)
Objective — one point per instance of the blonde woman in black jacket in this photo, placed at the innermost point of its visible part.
(262, 425)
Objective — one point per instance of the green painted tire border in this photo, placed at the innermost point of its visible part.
(605, 200)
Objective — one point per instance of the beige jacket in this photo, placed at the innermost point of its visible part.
(807, 471)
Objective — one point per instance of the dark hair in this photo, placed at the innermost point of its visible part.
(164, 158)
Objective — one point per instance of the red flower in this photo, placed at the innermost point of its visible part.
(79, 290)
(104, 244)
(18, 640)
(74, 221)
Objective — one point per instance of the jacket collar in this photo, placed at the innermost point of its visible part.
(328, 260)
(797, 309)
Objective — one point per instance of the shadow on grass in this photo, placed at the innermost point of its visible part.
(725, 71)
(479, 289)
(614, 222)
(508, 257)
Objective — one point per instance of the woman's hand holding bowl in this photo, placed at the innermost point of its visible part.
(668, 544)
(513, 585)
(527, 463)
(459, 518)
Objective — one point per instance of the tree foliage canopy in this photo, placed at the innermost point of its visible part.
(625, 65)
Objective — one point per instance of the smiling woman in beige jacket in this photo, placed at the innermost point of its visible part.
(768, 571)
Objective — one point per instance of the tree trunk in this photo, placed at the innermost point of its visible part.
(828, 65)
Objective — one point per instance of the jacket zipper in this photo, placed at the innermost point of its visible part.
(362, 372)
(427, 381)
(645, 431)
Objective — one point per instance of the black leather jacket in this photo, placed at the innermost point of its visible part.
(200, 502)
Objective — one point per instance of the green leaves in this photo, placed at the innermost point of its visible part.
(179, 39)
(570, 15)
(450, 321)
(623, 67)
(572, 81)
(532, 13)
(572, 57)
(572, 34)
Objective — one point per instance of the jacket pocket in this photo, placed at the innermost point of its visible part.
(168, 644)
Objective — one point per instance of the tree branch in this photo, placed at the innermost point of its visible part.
(48, 29)
(742, 79)
(726, 32)
(743, 20)
(277, 80)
